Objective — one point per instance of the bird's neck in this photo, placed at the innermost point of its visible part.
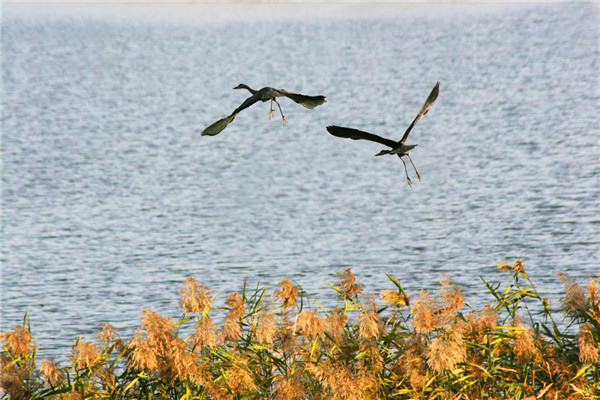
(249, 89)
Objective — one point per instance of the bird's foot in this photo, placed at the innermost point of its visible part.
(409, 181)
(270, 113)
(418, 176)
(283, 120)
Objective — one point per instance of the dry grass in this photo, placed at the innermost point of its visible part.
(270, 347)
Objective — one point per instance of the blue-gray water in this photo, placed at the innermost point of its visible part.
(111, 198)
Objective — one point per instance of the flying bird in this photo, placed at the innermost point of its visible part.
(398, 147)
(264, 94)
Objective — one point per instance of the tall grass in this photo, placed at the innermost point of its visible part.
(272, 345)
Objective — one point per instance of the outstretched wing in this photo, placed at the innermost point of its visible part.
(221, 124)
(247, 103)
(428, 103)
(218, 126)
(307, 101)
(355, 134)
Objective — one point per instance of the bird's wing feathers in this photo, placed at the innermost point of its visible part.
(221, 124)
(428, 103)
(355, 134)
(218, 126)
(247, 103)
(307, 101)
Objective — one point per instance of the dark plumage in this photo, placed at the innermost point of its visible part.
(264, 94)
(398, 148)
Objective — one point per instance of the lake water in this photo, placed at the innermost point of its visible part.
(111, 198)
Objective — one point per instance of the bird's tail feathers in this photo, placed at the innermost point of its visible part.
(306, 101)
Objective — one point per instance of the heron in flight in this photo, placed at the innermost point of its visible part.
(264, 94)
(398, 147)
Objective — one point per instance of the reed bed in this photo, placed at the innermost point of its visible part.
(272, 344)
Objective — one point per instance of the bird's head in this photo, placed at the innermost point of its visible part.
(241, 86)
(382, 152)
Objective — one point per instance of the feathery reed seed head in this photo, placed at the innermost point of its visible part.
(424, 311)
(239, 378)
(143, 357)
(348, 284)
(154, 343)
(417, 380)
(51, 372)
(524, 342)
(482, 320)
(265, 327)
(288, 388)
(84, 354)
(336, 323)
(575, 299)
(205, 334)
(394, 298)
(287, 293)
(310, 323)
(504, 266)
(196, 298)
(451, 295)
(370, 325)
(232, 329)
(518, 266)
(236, 302)
(19, 341)
(589, 351)
(107, 335)
(445, 351)
(593, 287)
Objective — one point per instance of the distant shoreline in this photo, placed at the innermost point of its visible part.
(222, 11)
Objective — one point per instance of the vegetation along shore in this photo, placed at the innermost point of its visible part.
(281, 344)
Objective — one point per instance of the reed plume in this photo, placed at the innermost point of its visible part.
(447, 349)
(274, 345)
(196, 298)
(287, 293)
(524, 342)
(265, 328)
(310, 324)
(232, 330)
(107, 336)
(347, 284)
(18, 342)
(51, 372)
(394, 298)
(335, 324)
(425, 312)
(589, 351)
(84, 354)
(370, 325)
(517, 266)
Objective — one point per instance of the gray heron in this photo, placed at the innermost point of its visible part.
(398, 148)
(264, 94)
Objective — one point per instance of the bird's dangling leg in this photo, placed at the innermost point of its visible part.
(406, 170)
(413, 164)
(271, 110)
(283, 121)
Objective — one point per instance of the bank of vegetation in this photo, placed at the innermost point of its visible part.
(279, 344)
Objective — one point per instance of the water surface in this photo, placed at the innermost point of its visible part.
(111, 197)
